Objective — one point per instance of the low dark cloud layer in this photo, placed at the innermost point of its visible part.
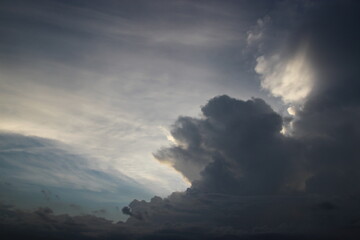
(43, 224)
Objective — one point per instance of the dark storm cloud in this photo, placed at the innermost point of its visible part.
(126, 211)
(257, 182)
(239, 146)
(237, 149)
(329, 121)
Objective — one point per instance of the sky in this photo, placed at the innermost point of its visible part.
(108, 79)
(180, 119)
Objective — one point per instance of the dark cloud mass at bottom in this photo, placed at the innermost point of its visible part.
(249, 181)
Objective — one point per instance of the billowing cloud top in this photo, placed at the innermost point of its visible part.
(236, 148)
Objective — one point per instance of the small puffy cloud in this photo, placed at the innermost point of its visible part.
(291, 110)
(257, 32)
(126, 211)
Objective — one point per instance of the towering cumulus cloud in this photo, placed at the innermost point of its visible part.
(249, 178)
(236, 148)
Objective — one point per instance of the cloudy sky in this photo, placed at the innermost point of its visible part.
(246, 112)
(108, 79)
